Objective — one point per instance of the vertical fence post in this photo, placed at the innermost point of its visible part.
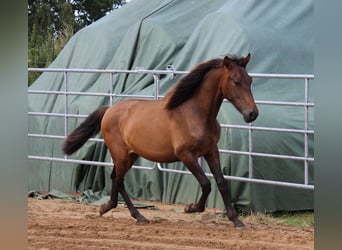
(156, 91)
(111, 88)
(65, 106)
(156, 86)
(201, 163)
(306, 128)
(250, 150)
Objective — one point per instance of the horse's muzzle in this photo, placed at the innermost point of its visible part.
(250, 115)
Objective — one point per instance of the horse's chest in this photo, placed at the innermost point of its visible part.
(201, 138)
(193, 136)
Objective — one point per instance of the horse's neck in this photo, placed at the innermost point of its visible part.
(209, 98)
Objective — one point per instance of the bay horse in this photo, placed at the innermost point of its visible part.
(181, 126)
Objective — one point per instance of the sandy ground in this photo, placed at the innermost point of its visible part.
(57, 224)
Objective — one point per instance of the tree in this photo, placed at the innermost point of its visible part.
(88, 11)
(51, 23)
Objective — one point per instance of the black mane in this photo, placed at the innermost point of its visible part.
(190, 83)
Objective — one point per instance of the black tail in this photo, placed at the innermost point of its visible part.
(84, 131)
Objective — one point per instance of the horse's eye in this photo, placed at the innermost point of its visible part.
(237, 83)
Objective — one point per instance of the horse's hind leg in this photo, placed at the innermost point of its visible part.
(118, 187)
(120, 169)
(132, 209)
(113, 202)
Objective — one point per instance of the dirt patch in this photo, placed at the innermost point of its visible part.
(56, 224)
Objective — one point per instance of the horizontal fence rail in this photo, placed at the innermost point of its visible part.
(305, 158)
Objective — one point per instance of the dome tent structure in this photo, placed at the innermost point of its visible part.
(154, 34)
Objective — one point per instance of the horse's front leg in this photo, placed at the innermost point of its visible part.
(192, 164)
(214, 164)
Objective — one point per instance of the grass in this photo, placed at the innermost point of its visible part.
(296, 219)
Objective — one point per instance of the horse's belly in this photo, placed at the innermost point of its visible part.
(151, 142)
(158, 156)
(154, 151)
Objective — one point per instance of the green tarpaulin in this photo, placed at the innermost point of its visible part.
(153, 34)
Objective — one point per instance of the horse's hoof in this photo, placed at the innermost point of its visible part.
(102, 209)
(190, 208)
(142, 221)
(238, 224)
(193, 208)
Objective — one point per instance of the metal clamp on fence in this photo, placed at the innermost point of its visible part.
(172, 69)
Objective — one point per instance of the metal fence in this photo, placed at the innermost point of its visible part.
(306, 105)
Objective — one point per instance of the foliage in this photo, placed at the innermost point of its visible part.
(51, 23)
(89, 11)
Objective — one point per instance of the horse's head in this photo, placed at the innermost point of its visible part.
(236, 86)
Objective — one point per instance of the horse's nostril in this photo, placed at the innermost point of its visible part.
(253, 115)
(250, 116)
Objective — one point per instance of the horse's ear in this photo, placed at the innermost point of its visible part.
(246, 60)
(226, 62)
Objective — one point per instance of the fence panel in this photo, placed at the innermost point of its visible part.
(306, 131)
